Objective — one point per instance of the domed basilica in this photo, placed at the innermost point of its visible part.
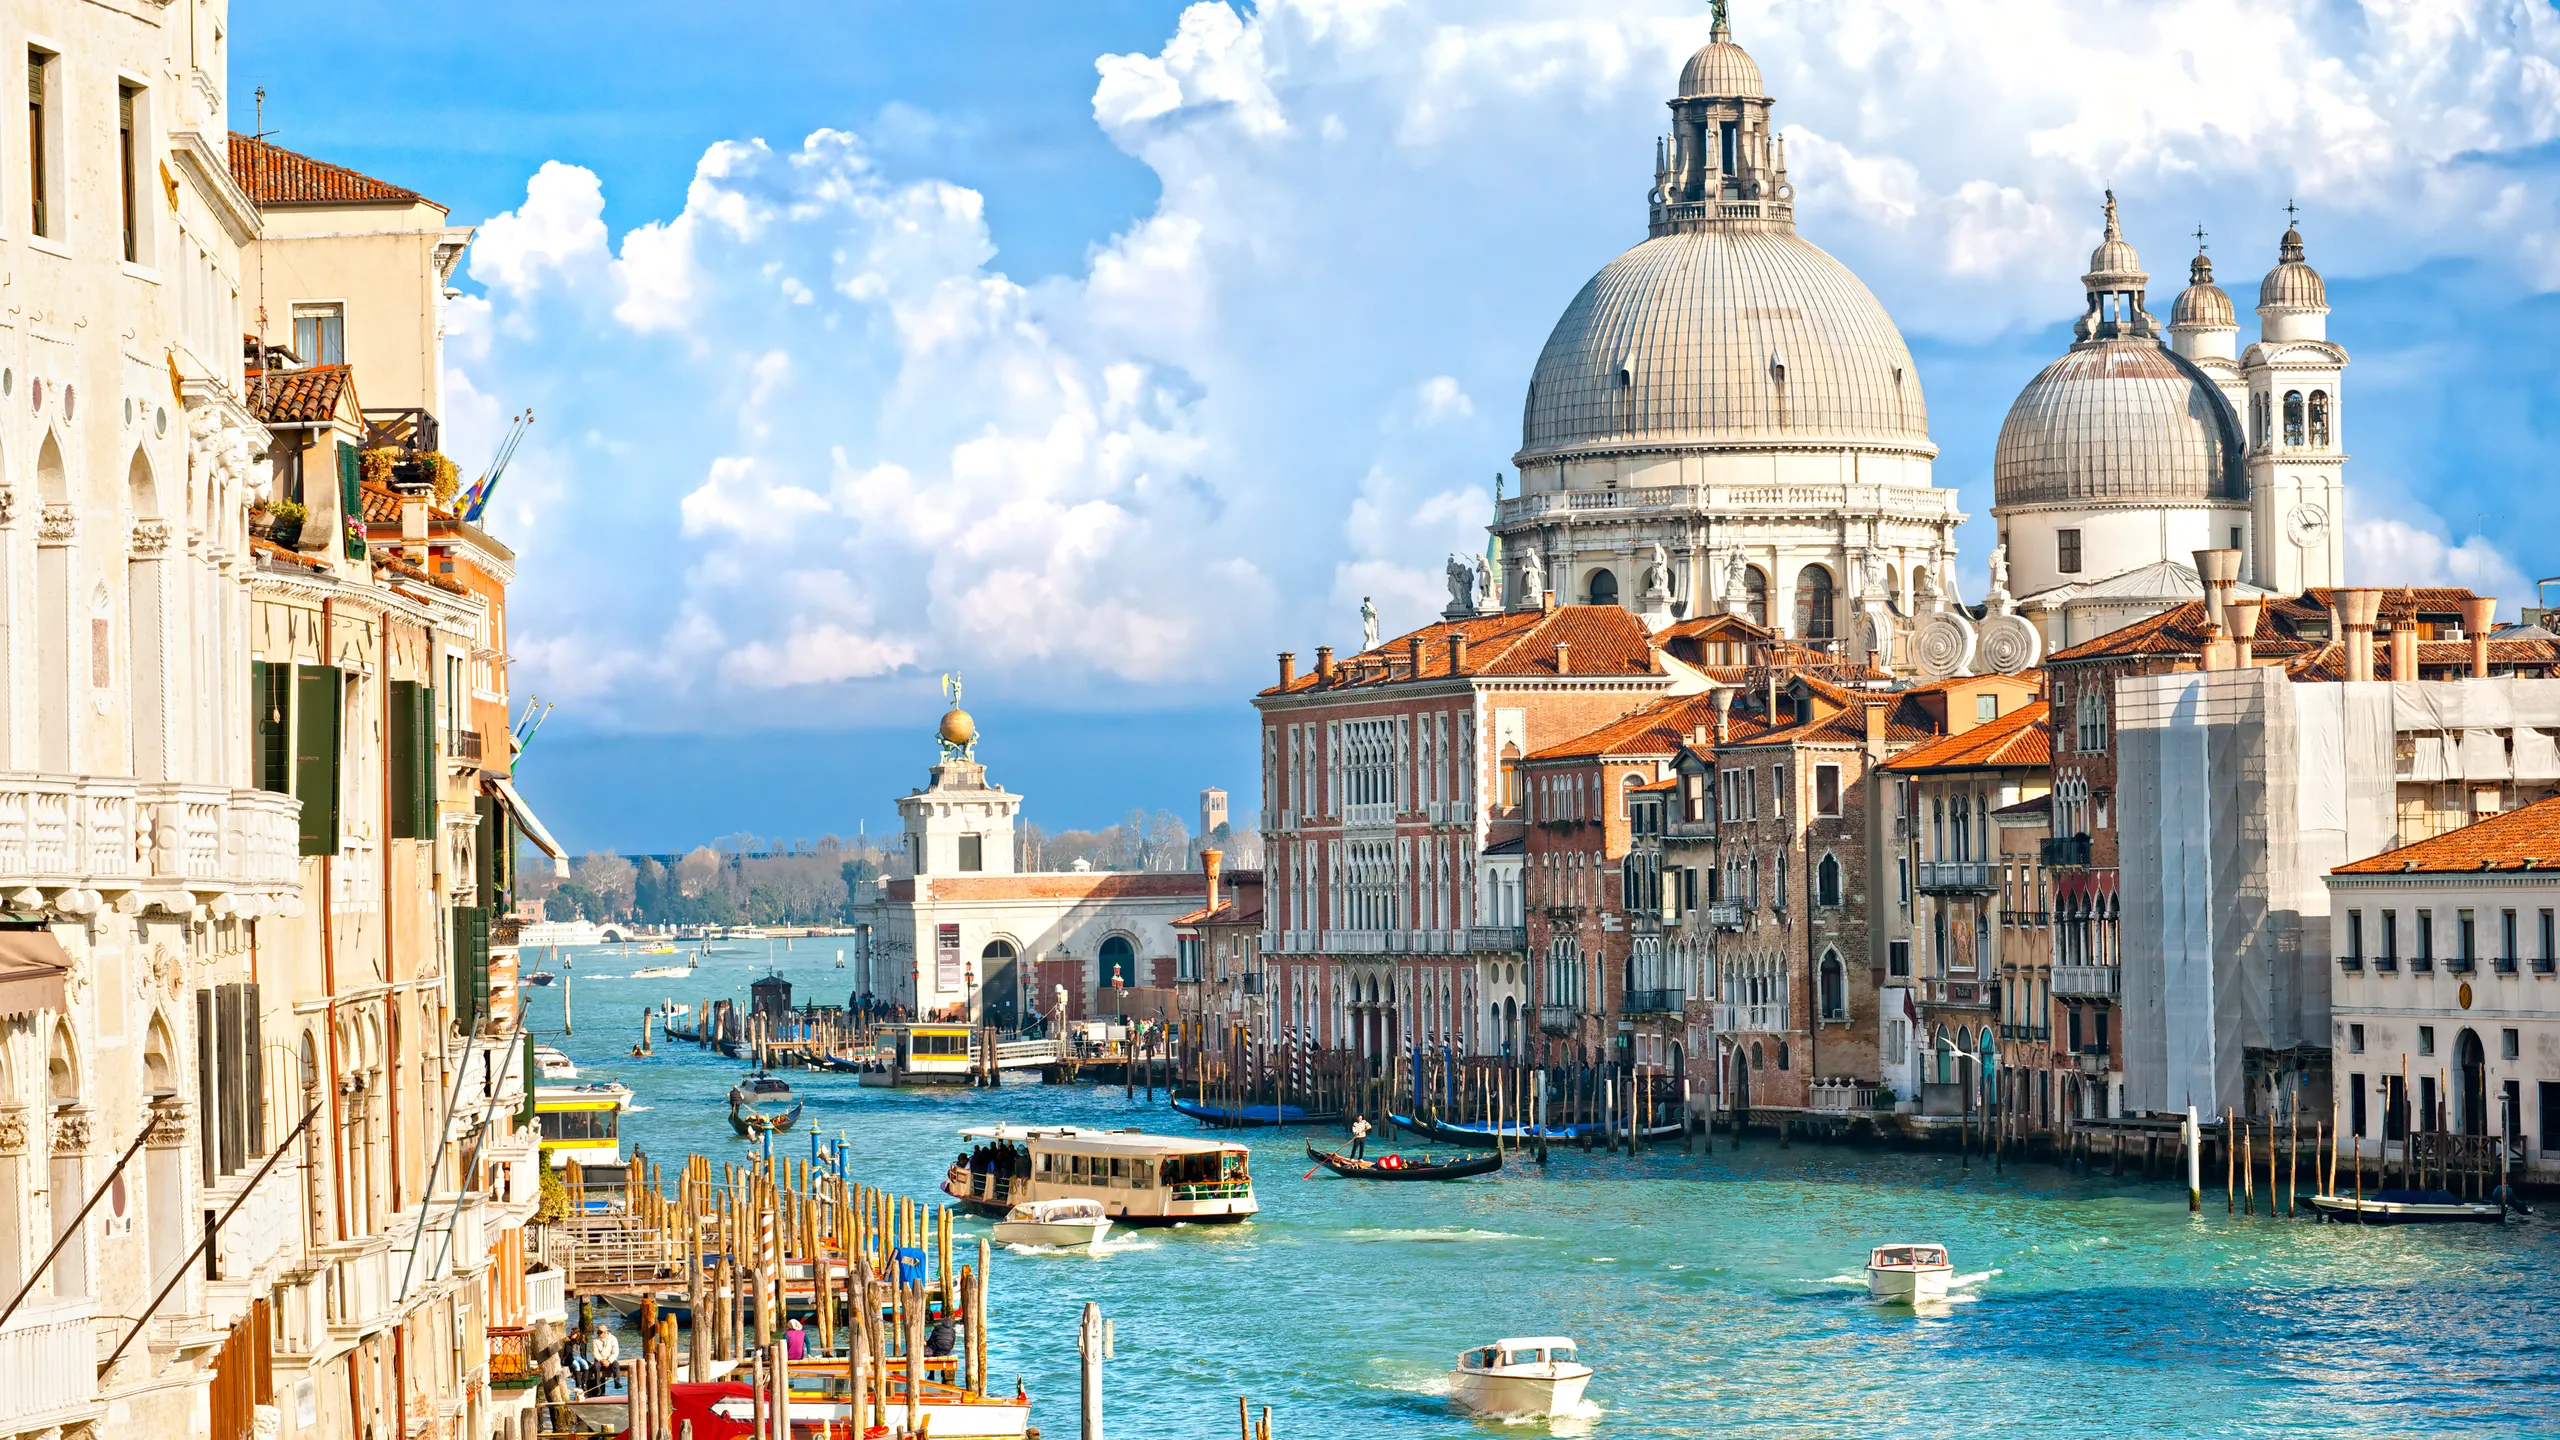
(1726, 421)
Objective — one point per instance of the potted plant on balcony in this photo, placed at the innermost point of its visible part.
(279, 521)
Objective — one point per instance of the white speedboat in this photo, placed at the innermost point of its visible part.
(1907, 1274)
(1054, 1222)
(1534, 1376)
(552, 1065)
(661, 972)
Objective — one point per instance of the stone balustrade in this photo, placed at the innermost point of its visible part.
(80, 843)
(48, 1365)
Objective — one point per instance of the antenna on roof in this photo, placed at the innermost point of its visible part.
(258, 128)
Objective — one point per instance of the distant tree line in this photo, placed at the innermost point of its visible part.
(747, 880)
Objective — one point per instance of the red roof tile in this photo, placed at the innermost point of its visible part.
(274, 175)
(1602, 641)
(2017, 738)
(2525, 839)
(308, 396)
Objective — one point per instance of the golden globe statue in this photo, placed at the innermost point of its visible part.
(958, 731)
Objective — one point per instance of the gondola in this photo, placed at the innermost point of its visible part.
(1487, 1137)
(1403, 1169)
(1249, 1117)
(748, 1098)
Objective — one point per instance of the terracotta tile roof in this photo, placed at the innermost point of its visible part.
(1658, 729)
(400, 566)
(2179, 632)
(1907, 721)
(381, 507)
(2017, 738)
(2525, 839)
(310, 395)
(2034, 805)
(1603, 641)
(274, 175)
(2398, 601)
(275, 554)
(1239, 902)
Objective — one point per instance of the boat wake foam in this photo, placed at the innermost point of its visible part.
(1111, 1245)
(1976, 1278)
(1440, 1235)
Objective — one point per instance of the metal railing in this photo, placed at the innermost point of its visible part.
(2064, 852)
(1558, 1019)
(466, 744)
(1653, 1002)
(1505, 939)
(2352, 964)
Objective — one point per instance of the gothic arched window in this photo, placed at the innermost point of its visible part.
(1827, 881)
(2293, 417)
(1814, 604)
(2320, 417)
(1835, 987)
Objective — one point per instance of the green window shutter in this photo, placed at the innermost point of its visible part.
(470, 967)
(351, 498)
(413, 762)
(315, 755)
(532, 1073)
(271, 697)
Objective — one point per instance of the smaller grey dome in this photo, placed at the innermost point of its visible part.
(2202, 305)
(1721, 70)
(2115, 422)
(2293, 284)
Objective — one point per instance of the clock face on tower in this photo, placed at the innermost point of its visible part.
(2307, 526)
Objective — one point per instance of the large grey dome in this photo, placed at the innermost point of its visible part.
(2118, 420)
(1734, 338)
(1720, 68)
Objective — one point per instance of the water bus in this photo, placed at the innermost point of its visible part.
(581, 1121)
(1138, 1179)
(924, 1054)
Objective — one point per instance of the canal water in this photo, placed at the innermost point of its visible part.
(1719, 1294)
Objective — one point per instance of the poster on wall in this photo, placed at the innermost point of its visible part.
(946, 958)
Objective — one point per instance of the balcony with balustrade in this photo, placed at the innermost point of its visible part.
(90, 841)
(1498, 940)
(49, 1367)
(1958, 877)
(1653, 1002)
(2088, 982)
(1726, 914)
(1559, 1019)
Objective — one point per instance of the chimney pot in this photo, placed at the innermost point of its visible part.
(1564, 657)
(1724, 716)
(1211, 862)
(2479, 617)
(1324, 663)
(1457, 652)
(2404, 650)
(2242, 617)
(2356, 611)
(1413, 655)
(1875, 724)
(1288, 668)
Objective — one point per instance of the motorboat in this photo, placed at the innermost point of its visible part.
(1908, 1274)
(2408, 1207)
(761, 1102)
(661, 972)
(1538, 1375)
(1062, 1223)
(550, 1064)
(538, 977)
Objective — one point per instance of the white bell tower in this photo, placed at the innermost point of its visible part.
(2297, 443)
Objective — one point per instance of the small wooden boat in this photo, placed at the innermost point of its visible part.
(1538, 1375)
(1397, 1167)
(1247, 1117)
(2408, 1207)
(758, 1103)
(1908, 1274)
(1062, 1223)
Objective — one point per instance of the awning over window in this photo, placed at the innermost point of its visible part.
(32, 964)
(532, 828)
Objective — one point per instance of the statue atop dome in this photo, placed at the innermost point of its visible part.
(958, 732)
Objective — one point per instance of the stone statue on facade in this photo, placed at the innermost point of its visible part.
(1480, 583)
(1657, 577)
(1368, 624)
(1999, 574)
(1533, 578)
(1871, 576)
(1462, 583)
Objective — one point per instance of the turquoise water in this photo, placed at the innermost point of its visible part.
(1720, 1294)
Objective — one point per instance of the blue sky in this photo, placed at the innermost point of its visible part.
(1097, 351)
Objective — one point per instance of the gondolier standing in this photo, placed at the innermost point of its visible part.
(1359, 1137)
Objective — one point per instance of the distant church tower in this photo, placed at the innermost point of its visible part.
(2296, 447)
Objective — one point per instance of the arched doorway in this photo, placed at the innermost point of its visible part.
(1000, 986)
(1755, 594)
(1604, 587)
(2471, 1084)
(1119, 962)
